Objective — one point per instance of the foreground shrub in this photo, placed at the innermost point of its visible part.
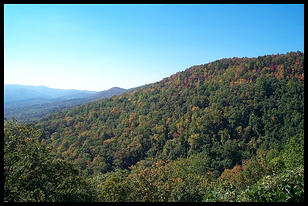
(284, 187)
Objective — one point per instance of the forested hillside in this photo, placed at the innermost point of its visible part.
(229, 130)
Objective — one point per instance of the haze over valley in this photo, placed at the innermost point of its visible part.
(30, 103)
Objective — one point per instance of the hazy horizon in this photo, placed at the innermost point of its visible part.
(64, 89)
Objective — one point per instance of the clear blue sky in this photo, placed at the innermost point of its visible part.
(96, 47)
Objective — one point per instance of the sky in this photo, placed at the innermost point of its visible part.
(96, 47)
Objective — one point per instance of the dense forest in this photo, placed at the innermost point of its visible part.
(229, 130)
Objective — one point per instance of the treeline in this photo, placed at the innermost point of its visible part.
(214, 132)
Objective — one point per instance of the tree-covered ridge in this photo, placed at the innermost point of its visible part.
(240, 103)
(224, 113)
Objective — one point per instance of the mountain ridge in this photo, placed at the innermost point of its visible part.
(184, 114)
(34, 105)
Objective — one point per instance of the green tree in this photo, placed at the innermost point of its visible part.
(31, 173)
(293, 154)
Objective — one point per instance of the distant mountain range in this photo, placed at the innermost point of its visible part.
(30, 103)
(14, 93)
